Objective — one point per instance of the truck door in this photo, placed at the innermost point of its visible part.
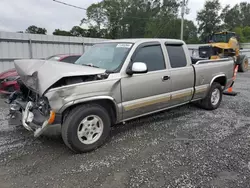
(182, 74)
(148, 92)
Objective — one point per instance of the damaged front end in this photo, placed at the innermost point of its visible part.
(29, 106)
(32, 111)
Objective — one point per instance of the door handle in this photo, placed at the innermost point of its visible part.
(164, 78)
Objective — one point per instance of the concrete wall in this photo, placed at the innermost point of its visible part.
(22, 45)
(245, 45)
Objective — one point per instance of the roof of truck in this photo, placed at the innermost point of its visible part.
(135, 40)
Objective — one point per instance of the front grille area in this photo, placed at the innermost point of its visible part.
(41, 104)
(28, 94)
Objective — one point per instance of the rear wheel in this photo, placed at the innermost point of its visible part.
(213, 98)
(86, 128)
(243, 67)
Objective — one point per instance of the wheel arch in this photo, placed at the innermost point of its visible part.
(221, 79)
(106, 102)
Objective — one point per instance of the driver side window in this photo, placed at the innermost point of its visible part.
(153, 57)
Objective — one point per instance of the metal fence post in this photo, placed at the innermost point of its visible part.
(83, 47)
(30, 48)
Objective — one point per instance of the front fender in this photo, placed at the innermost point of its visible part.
(89, 99)
(92, 99)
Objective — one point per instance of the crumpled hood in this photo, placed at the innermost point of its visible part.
(39, 75)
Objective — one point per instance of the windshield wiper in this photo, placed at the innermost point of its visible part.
(90, 65)
(109, 71)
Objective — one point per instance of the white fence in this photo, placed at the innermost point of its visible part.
(21, 45)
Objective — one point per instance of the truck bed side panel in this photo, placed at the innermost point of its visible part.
(207, 72)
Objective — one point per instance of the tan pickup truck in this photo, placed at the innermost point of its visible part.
(114, 81)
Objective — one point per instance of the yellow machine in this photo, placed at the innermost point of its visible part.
(224, 44)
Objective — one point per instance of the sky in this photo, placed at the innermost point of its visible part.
(17, 15)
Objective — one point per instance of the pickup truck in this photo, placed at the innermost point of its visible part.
(113, 82)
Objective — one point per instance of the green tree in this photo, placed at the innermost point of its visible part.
(237, 19)
(36, 30)
(96, 33)
(246, 33)
(96, 14)
(141, 18)
(114, 10)
(190, 32)
(129, 18)
(78, 31)
(239, 32)
(237, 16)
(160, 18)
(231, 17)
(208, 18)
(245, 13)
(62, 32)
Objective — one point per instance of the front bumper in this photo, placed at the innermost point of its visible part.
(31, 118)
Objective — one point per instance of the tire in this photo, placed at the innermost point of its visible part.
(75, 132)
(243, 63)
(207, 103)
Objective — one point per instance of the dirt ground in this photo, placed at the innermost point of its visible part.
(185, 147)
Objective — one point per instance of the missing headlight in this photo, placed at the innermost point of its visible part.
(43, 106)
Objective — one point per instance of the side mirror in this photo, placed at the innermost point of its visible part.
(137, 68)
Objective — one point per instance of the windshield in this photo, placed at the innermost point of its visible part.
(222, 37)
(109, 56)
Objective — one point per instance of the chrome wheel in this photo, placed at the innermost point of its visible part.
(215, 97)
(90, 129)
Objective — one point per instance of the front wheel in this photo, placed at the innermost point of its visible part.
(213, 98)
(86, 128)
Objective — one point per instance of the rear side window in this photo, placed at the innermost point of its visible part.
(152, 56)
(70, 59)
(176, 56)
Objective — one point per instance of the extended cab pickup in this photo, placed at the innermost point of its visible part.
(112, 82)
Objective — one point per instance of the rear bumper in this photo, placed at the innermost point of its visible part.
(31, 119)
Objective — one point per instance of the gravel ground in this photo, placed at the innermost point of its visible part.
(185, 147)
